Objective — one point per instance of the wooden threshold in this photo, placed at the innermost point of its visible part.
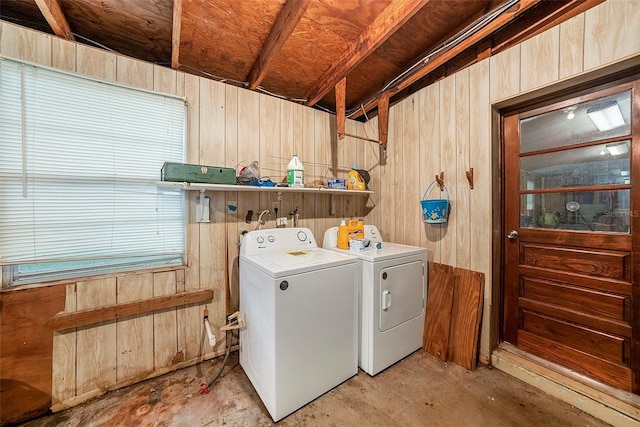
(615, 406)
(62, 321)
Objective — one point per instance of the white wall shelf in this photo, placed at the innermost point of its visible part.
(195, 186)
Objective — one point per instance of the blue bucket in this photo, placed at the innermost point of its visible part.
(435, 211)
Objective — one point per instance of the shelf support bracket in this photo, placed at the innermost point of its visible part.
(332, 207)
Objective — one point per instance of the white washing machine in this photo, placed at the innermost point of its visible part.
(392, 293)
(299, 305)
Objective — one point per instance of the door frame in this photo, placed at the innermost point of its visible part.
(624, 71)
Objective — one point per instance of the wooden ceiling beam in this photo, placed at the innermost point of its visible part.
(388, 22)
(484, 32)
(542, 23)
(433, 63)
(52, 12)
(175, 34)
(287, 20)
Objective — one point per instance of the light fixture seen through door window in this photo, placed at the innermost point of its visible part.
(617, 149)
(606, 116)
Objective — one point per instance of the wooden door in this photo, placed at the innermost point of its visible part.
(570, 209)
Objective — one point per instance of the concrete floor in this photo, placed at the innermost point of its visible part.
(417, 391)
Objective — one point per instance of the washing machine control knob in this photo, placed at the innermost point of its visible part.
(271, 239)
(302, 236)
(260, 239)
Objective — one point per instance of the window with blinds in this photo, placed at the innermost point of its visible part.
(79, 160)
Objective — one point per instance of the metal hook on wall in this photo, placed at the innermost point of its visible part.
(440, 181)
(469, 174)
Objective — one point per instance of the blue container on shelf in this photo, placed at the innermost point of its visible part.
(337, 184)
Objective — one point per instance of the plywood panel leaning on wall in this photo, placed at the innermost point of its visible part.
(454, 312)
(26, 345)
(466, 317)
(437, 321)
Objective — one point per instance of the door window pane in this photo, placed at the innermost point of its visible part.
(599, 119)
(596, 165)
(586, 211)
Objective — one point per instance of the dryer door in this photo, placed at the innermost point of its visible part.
(401, 294)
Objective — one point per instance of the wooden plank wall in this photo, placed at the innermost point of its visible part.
(444, 127)
(453, 118)
(227, 126)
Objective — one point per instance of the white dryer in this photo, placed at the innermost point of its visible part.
(299, 305)
(392, 294)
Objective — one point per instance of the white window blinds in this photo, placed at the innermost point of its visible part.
(78, 164)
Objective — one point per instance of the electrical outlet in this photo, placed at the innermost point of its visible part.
(274, 206)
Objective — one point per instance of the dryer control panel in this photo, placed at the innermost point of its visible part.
(372, 233)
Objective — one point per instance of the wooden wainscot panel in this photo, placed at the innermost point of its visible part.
(596, 343)
(96, 359)
(165, 328)
(609, 264)
(571, 297)
(134, 335)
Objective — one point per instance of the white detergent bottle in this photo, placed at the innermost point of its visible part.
(295, 172)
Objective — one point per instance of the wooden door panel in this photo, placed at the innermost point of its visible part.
(611, 373)
(609, 347)
(601, 323)
(588, 301)
(602, 284)
(608, 264)
(603, 241)
(571, 290)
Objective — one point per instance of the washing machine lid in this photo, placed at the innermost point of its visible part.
(279, 264)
